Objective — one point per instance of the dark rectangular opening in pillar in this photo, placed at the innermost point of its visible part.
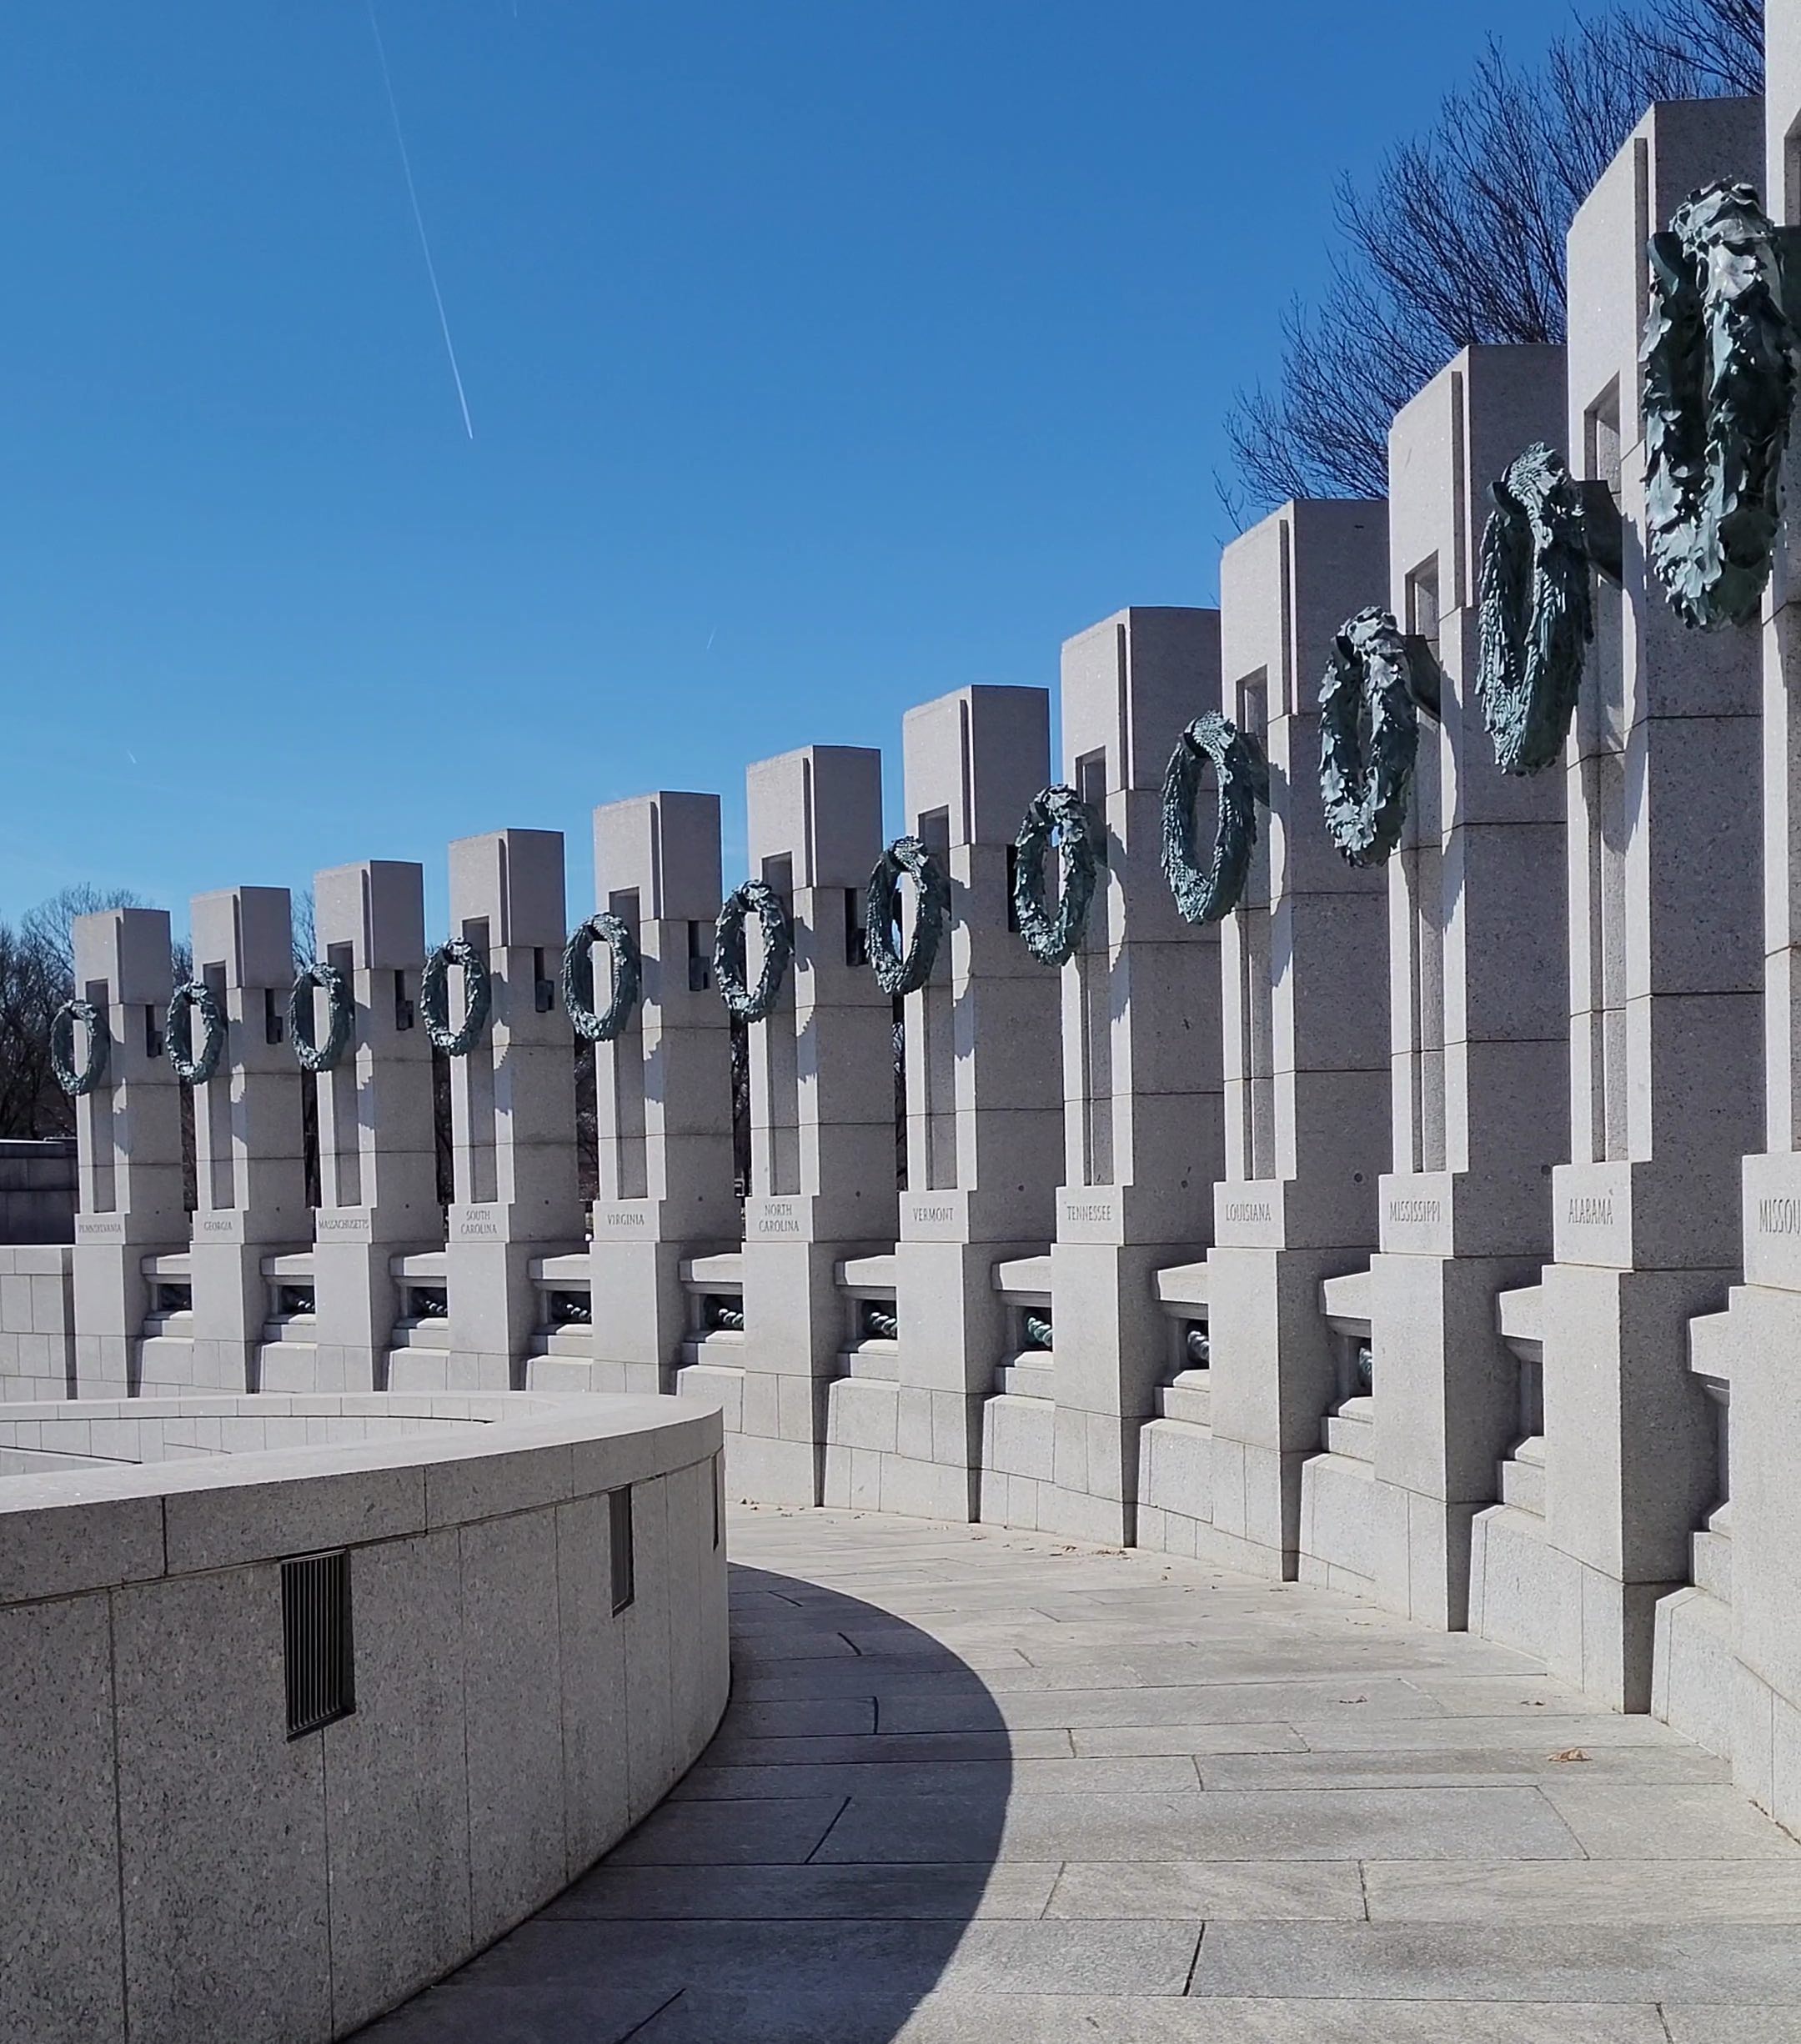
(1256, 993)
(102, 1190)
(775, 1102)
(221, 1177)
(1602, 726)
(935, 1083)
(478, 1168)
(1422, 877)
(1096, 981)
(628, 1147)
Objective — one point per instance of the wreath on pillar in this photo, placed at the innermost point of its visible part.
(1055, 814)
(1719, 376)
(192, 998)
(759, 899)
(340, 1010)
(896, 974)
(62, 1023)
(1242, 774)
(1535, 610)
(434, 997)
(601, 1026)
(1364, 785)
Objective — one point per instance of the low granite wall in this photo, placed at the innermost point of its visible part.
(173, 1864)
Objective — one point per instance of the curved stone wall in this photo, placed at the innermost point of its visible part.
(175, 1865)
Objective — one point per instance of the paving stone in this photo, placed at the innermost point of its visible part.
(772, 1833)
(1550, 1732)
(1219, 1891)
(1727, 2024)
(1104, 1742)
(1621, 1820)
(881, 1749)
(1673, 1891)
(702, 2017)
(1503, 1962)
(1452, 1765)
(951, 1893)
(1220, 1703)
(952, 1777)
(1299, 1824)
(991, 1957)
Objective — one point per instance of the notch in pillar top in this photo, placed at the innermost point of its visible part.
(378, 909)
(664, 848)
(1130, 685)
(976, 757)
(1288, 583)
(247, 933)
(513, 881)
(821, 809)
(1447, 444)
(128, 949)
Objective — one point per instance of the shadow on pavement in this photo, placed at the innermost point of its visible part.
(807, 1883)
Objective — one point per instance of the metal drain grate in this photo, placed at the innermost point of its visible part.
(317, 1641)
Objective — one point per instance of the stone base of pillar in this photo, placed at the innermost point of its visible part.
(493, 1302)
(797, 1326)
(37, 1321)
(1586, 1626)
(112, 1302)
(915, 1445)
(1275, 1373)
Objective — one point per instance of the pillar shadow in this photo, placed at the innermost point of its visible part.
(808, 1882)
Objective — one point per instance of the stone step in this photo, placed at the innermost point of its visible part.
(1189, 1398)
(420, 1334)
(1712, 1338)
(1026, 1379)
(418, 1369)
(1522, 1485)
(877, 1361)
(1351, 1431)
(1710, 1564)
(1530, 1449)
(573, 1339)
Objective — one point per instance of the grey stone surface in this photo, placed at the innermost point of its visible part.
(1529, 1901)
(61, 1975)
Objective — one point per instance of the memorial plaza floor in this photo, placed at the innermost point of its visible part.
(977, 1787)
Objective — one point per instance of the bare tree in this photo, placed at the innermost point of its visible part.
(37, 976)
(305, 928)
(1459, 239)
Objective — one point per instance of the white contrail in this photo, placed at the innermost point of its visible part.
(418, 221)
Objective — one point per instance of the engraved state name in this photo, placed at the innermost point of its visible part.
(1250, 1210)
(1591, 1210)
(1416, 1209)
(935, 1213)
(1090, 1209)
(1780, 1216)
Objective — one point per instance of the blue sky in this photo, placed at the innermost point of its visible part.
(822, 355)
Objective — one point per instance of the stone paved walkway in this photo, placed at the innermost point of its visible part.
(977, 1787)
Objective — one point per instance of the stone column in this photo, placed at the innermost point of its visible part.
(377, 1155)
(821, 1110)
(1665, 964)
(1304, 959)
(1142, 1113)
(1478, 1005)
(663, 1091)
(1726, 1668)
(249, 1161)
(512, 1108)
(128, 1140)
(984, 1152)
